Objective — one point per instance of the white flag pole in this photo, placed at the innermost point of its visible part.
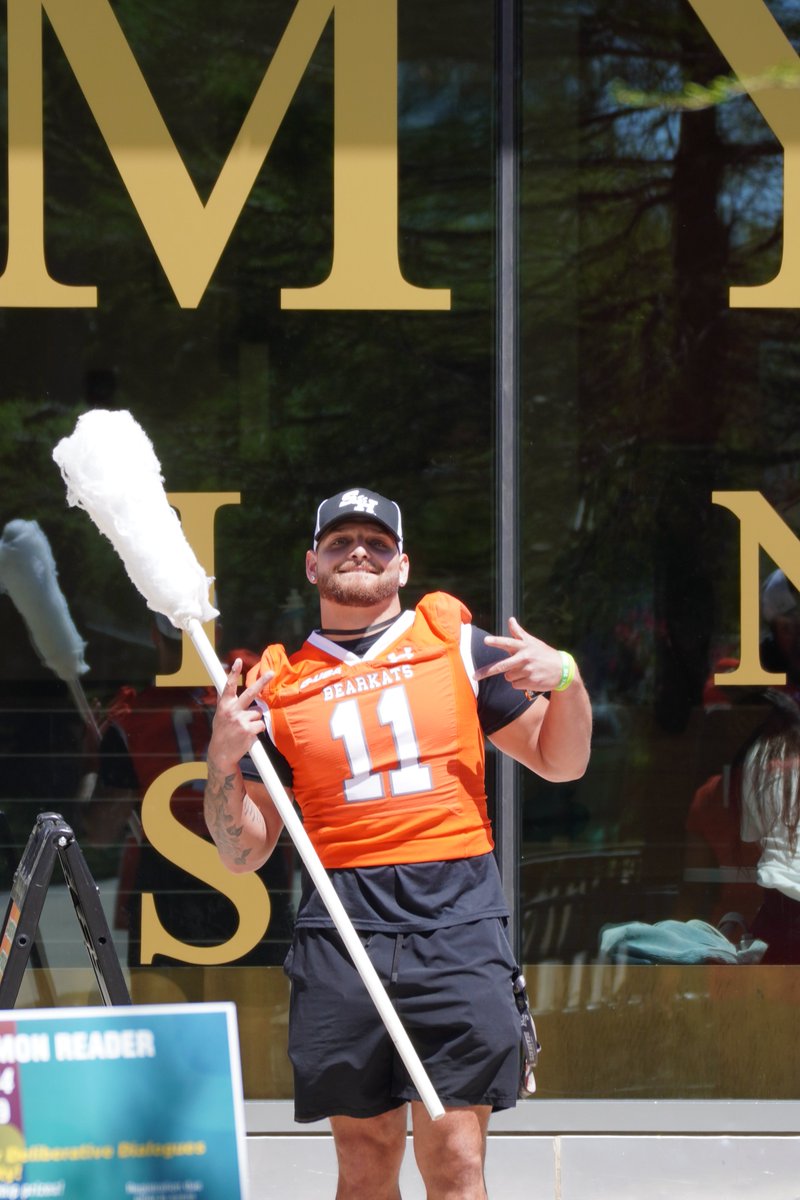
(111, 471)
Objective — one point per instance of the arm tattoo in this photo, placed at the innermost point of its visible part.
(223, 795)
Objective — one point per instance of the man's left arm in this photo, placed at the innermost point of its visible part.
(553, 735)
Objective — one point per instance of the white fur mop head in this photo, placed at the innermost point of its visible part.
(28, 573)
(111, 471)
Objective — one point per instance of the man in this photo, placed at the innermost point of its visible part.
(381, 716)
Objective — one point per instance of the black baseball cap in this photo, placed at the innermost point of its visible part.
(359, 504)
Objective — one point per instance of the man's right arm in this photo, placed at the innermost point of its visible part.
(242, 820)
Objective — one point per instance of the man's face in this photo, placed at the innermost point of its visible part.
(357, 563)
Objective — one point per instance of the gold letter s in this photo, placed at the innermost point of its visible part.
(184, 848)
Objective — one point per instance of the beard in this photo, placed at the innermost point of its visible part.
(358, 589)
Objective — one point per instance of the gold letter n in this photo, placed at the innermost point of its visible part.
(187, 235)
(760, 527)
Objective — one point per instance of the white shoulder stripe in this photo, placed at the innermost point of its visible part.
(322, 643)
(404, 621)
(466, 656)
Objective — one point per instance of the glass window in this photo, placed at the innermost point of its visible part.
(651, 187)
(223, 252)
(258, 405)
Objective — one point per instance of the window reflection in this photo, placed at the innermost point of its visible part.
(642, 392)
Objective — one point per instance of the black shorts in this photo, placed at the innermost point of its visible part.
(453, 993)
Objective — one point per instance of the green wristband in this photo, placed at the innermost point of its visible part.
(567, 671)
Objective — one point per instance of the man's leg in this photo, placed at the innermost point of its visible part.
(450, 1153)
(370, 1153)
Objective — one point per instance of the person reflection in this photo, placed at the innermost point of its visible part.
(147, 731)
(719, 867)
(770, 818)
(727, 864)
(780, 649)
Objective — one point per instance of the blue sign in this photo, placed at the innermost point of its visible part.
(141, 1102)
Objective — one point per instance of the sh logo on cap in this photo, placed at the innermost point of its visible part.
(359, 502)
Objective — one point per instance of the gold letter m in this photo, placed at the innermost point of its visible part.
(188, 236)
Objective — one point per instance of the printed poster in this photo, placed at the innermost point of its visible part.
(140, 1102)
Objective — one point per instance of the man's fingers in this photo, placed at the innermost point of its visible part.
(531, 664)
(502, 667)
(256, 688)
(246, 697)
(232, 682)
(510, 645)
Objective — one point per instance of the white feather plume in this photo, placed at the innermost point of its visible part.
(28, 573)
(111, 470)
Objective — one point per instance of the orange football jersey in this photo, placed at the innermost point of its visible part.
(386, 752)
